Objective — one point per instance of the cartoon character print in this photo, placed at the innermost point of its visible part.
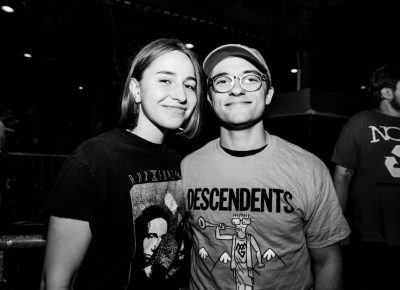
(241, 253)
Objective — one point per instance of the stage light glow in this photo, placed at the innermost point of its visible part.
(7, 9)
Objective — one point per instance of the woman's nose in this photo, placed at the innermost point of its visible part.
(179, 94)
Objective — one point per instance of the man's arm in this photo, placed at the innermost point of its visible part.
(341, 181)
(327, 267)
(66, 246)
(220, 236)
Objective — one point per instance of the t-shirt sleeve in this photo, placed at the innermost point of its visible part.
(75, 193)
(326, 223)
(346, 150)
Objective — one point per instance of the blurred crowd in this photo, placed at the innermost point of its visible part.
(28, 132)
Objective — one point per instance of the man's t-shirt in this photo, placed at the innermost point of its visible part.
(255, 217)
(369, 144)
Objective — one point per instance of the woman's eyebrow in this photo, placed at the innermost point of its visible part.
(170, 73)
(191, 78)
(165, 72)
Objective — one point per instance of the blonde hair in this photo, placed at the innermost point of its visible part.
(142, 60)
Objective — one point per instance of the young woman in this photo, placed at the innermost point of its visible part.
(117, 206)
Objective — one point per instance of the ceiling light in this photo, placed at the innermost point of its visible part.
(7, 9)
(189, 45)
(27, 55)
(294, 70)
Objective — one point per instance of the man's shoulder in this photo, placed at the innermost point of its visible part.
(295, 152)
(359, 122)
(363, 116)
(285, 144)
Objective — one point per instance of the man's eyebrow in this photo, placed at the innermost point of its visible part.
(220, 74)
(245, 72)
(251, 71)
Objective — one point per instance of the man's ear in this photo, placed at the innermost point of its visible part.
(269, 95)
(135, 90)
(387, 94)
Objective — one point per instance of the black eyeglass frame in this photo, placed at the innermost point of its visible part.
(210, 81)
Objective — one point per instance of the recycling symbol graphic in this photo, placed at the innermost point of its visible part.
(392, 164)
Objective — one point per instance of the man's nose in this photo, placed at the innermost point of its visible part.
(156, 243)
(237, 88)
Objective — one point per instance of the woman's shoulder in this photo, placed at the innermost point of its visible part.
(96, 145)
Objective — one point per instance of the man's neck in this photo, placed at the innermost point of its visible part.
(387, 109)
(244, 140)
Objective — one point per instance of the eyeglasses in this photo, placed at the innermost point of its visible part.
(244, 221)
(250, 82)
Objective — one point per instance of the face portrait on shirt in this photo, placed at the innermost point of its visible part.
(157, 228)
(151, 227)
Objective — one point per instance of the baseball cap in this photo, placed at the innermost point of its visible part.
(228, 50)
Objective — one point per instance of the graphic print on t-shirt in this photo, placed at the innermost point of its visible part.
(243, 248)
(392, 163)
(388, 133)
(157, 208)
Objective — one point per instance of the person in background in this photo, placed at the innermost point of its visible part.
(8, 171)
(367, 178)
(3, 132)
(112, 179)
(6, 117)
(286, 219)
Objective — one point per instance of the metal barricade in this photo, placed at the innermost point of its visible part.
(9, 242)
(30, 178)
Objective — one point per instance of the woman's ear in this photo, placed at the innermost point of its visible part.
(269, 95)
(135, 90)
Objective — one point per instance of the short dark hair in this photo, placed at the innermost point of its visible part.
(386, 76)
(142, 60)
(149, 214)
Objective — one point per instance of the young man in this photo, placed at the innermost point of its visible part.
(286, 219)
(367, 156)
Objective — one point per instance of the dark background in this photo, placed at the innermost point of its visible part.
(87, 43)
(69, 89)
